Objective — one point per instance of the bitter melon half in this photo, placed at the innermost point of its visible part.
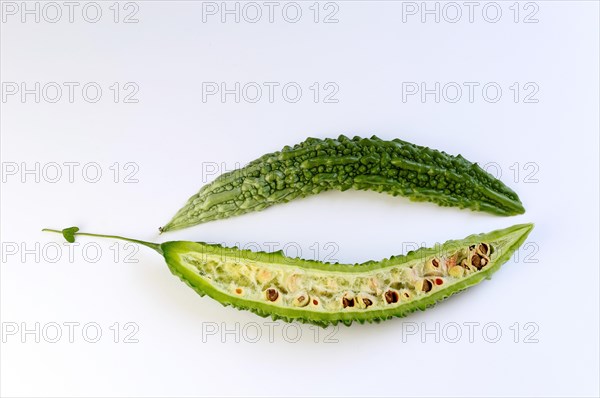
(292, 289)
(394, 167)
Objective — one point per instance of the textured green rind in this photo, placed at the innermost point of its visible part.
(395, 167)
(504, 242)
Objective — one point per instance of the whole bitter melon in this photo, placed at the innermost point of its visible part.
(292, 289)
(395, 167)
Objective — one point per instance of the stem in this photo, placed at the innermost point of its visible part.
(151, 245)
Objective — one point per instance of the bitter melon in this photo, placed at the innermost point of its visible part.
(292, 289)
(394, 167)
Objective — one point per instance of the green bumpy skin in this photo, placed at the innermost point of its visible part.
(293, 289)
(395, 167)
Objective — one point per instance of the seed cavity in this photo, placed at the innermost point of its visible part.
(391, 297)
(378, 290)
(301, 300)
(427, 285)
(476, 261)
(348, 301)
(272, 294)
(433, 268)
(363, 301)
(483, 248)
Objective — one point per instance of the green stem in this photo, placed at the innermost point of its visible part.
(151, 245)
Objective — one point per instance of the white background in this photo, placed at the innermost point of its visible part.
(174, 140)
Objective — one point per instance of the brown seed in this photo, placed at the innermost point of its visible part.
(315, 302)
(238, 290)
(426, 285)
(367, 302)
(272, 294)
(391, 296)
(439, 281)
(347, 302)
(435, 263)
(483, 248)
(476, 261)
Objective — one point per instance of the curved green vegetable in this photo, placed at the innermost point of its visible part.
(394, 167)
(292, 289)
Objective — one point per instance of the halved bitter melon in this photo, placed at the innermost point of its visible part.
(292, 289)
